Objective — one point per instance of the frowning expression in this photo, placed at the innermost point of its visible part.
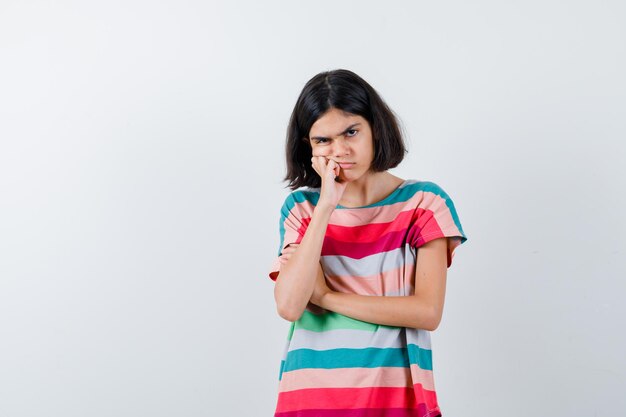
(347, 139)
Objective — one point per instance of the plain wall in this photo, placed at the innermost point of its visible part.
(141, 158)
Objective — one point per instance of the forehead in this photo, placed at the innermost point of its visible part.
(333, 122)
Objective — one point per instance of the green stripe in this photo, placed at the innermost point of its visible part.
(331, 321)
(357, 358)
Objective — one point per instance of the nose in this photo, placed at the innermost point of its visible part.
(341, 147)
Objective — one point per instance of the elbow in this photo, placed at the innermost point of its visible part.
(286, 308)
(432, 319)
(432, 326)
(288, 313)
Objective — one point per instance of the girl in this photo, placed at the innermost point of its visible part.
(362, 262)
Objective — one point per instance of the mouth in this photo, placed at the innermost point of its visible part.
(346, 165)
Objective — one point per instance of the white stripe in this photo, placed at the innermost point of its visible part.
(384, 337)
(377, 263)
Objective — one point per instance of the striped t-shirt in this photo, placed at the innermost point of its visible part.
(336, 366)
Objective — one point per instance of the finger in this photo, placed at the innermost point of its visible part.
(333, 167)
(319, 164)
(322, 161)
(314, 165)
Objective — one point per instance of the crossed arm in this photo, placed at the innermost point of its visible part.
(422, 310)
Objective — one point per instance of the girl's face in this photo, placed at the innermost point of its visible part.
(345, 138)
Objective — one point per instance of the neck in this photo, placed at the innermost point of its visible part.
(369, 189)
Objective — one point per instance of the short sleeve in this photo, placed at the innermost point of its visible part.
(435, 217)
(291, 230)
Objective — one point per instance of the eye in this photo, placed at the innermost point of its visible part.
(320, 140)
(351, 132)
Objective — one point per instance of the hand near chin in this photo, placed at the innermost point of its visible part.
(332, 185)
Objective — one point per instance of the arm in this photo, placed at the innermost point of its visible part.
(297, 278)
(421, 311)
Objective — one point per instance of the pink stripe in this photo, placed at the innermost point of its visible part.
(425, 396)
(357, 378)
(390, 282)
(419, 411)
(358, 250)
(368, 232)
(346, 378)
(384, 214)
(424, 376)
(345, 398)
(351, 398)
(430, 224)
(357, 217)
(387, 234)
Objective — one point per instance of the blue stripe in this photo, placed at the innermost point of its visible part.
(358, 358)
(420, 357)
(282, 367)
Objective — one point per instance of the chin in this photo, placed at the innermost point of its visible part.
(350, 177)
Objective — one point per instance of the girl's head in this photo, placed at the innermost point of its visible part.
(338, 101)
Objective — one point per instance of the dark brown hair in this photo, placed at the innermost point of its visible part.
(344, 90)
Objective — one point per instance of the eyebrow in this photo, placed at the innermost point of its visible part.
(344, 131)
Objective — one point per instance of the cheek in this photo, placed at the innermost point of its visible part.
(321, 151)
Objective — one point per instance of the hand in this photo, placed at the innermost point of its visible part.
(287, 252)
(332, 185)
(320, 289)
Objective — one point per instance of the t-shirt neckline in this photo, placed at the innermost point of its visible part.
(377, 203)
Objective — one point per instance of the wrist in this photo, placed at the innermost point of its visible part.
(325, 300)
(324, 209)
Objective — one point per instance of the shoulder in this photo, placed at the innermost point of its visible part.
(423, 191)
(302, 195)
(301, 200)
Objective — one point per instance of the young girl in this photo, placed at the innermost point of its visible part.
(362, 262)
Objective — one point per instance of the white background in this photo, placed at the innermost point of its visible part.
(141, 158)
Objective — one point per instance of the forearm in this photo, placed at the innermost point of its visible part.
(295, 282)
(401, 311)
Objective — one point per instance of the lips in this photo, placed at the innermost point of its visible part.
(346, 165)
